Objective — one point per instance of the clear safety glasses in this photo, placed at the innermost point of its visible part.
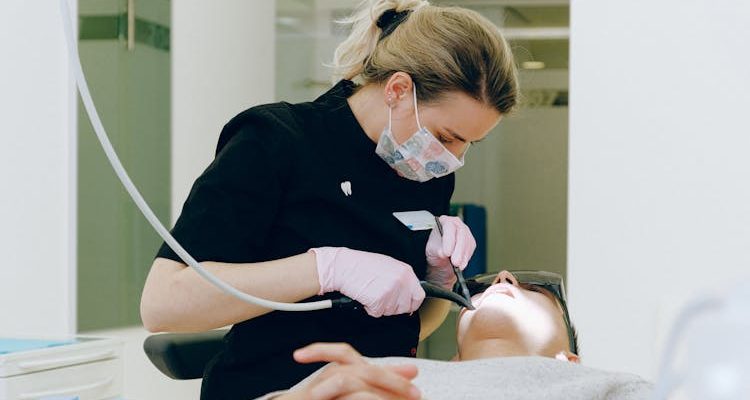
(549, 281)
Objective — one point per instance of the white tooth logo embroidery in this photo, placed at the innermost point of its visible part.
(346, 187)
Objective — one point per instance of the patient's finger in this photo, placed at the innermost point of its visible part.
(336, 386)
(378, 379)
(366, 394)
(370, 394)
(361, 396)
(388, 380)
(341, 353)
(354, 379)
(342, 383)
(408, 371)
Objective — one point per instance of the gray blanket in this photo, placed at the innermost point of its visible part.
(517, 378)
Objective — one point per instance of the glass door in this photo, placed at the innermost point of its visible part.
(124, 47)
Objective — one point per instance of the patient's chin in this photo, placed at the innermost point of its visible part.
(488, 320)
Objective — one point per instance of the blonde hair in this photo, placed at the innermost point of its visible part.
(443, 49)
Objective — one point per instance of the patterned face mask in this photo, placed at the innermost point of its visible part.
(421, 157)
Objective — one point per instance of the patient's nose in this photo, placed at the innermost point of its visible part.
(505, 277)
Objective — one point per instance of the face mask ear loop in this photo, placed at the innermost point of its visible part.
(416, 112)
(390, 106)
(468, 146)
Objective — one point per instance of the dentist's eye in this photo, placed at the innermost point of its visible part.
(444, 139)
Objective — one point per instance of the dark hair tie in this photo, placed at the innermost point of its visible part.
(389, 20)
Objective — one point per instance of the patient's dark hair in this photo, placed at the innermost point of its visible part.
(574, 332)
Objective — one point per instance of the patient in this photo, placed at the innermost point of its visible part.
(517, 344)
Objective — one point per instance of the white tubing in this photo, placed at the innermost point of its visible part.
(75, 64)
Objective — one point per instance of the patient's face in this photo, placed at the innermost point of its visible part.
(528, 316)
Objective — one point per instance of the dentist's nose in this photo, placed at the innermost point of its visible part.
(505, 277)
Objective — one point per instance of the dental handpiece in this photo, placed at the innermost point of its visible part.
(456, 270)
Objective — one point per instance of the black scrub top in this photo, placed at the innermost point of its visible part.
(274, 191)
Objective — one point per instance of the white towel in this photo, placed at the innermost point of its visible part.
(517, 378)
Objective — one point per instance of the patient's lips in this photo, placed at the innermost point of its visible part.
(502, 288)
(498, 288)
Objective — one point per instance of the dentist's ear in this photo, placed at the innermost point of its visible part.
(568, 356)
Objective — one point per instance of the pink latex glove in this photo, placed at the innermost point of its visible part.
(457, 244)
(383, 285)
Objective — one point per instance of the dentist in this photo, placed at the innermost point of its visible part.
(297, 204)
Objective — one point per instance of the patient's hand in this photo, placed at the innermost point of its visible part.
(350, 376)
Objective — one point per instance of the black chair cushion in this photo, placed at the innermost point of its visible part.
(183, 355)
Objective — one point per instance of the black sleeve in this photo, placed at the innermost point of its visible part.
(232, 205)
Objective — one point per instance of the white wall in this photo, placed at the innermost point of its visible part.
(659, 198)
(37, 171)
(222, 63)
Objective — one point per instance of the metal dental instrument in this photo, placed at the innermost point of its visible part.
(430, 290)
(459, 274)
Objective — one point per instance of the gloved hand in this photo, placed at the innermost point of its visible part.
(383, 285)
(457, 244)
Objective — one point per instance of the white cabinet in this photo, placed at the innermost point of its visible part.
(86, 368)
